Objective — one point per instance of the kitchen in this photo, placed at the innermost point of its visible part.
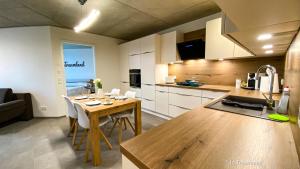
(224, 69)
(186, 84)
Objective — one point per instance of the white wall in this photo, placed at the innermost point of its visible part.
(26, 65)
(31, 60)
(106, 59)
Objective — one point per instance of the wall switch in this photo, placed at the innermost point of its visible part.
(43, 108)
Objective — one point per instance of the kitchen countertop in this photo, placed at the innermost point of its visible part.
(230, 89)
(212, 139)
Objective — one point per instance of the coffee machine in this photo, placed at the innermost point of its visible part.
(251, 79)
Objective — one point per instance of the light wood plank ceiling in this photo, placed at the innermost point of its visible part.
(124, 19)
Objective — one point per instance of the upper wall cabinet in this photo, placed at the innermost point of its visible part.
(219, 47)
(134, 47)
(168, 46)
(216, 45)
(150, 43)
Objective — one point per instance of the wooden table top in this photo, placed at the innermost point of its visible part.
(116, 103)
(212, 139)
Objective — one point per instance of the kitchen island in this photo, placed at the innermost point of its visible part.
(212, 139)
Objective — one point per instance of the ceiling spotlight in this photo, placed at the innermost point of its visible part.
(88, 21)
(269, 51)
(264, 36)
(221, 59)
(82, 2)
(267, 47)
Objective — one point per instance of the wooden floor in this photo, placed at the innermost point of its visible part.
(42, 144)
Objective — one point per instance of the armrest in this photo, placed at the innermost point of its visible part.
(28, 114)
(12, 105)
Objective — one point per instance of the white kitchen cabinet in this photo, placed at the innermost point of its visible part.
(169, 46)
(185, 101)
(134, 47)
(124, 62)
(134, 62)
(192, 92)
(148, 91)
(175, 111)
(138, 92)
(148, 104)
(124, 87)
(150, 43)
(162, 102)
(239, 52)
(148, 68)
(216, 45)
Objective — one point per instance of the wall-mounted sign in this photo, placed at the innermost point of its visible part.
(76, 64)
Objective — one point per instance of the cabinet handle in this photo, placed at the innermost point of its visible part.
(161, 91)
(182, 94)
(147, 84)
(147, 99)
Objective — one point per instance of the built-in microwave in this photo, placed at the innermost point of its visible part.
(135, 78)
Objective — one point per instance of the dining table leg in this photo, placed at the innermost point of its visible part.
(138, 118)
(95, 137)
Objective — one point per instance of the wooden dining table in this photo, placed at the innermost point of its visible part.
(97, 111)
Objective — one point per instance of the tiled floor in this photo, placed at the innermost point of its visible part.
(42, 144)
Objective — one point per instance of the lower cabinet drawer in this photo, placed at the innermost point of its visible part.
(175, 111)
(185, 101)
(148, 104)
(148, 91)
(162, 102)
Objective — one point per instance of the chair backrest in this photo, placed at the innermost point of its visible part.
(83, 119)
(130, 94)
(115, 92)
(71, 109)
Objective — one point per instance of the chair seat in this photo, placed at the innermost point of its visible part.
(123, 114)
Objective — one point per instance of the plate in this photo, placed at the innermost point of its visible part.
(93, 103)
(120, 97)
(107, 103)
(81, 97)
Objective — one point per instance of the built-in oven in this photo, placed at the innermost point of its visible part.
(135, 78)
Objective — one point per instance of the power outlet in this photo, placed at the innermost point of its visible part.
(43, 108)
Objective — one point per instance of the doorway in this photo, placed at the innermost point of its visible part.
(79, 67)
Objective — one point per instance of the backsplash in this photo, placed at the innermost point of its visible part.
(223, 72)
(292, 79)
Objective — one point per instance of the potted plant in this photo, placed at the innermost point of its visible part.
(98, 87)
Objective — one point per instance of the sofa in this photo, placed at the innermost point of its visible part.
(14, 106)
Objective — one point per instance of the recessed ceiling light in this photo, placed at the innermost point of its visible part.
(88, 21)
(269, 51)
(267, 47)
(264, 36)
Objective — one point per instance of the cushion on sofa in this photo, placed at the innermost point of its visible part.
(6, 95)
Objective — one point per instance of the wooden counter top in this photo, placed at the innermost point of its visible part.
(212, 139)
(230, 89)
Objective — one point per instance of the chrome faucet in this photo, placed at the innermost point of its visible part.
(272, 71)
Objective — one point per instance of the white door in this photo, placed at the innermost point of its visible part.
(148, 68)
(124, 62)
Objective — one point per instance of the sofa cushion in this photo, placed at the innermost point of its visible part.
(6, 95)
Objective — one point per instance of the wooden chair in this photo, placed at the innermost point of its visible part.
(84, 122)
(72, 113)
(122, 118)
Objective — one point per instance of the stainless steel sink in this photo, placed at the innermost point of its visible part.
(255, 108)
